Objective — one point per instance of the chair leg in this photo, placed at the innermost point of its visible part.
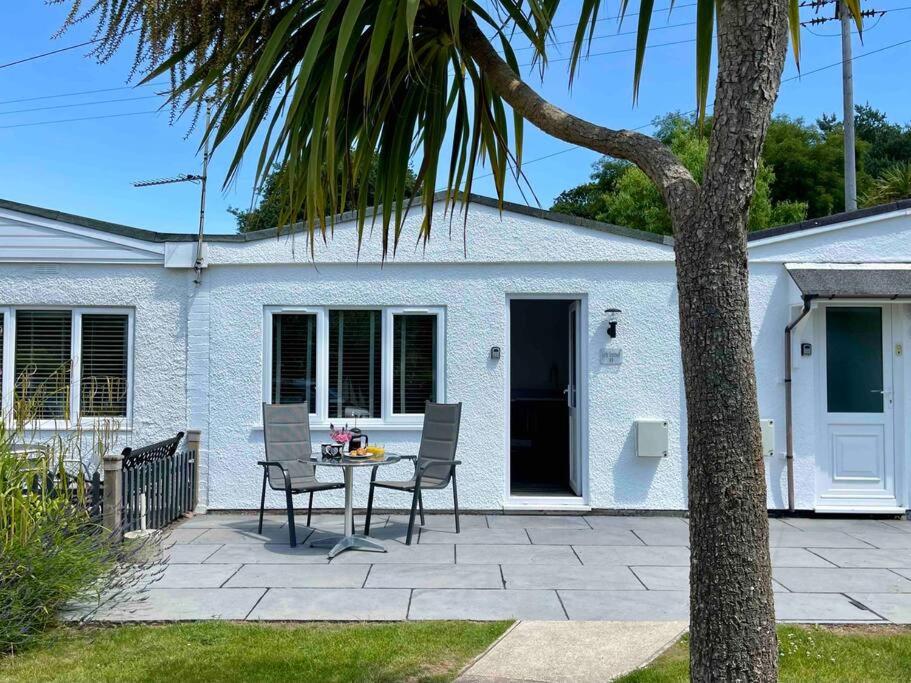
(310, 508)
(292, 531)
(421, 507)
(414, 504)
(262, 502)
(369, 511)
(455, 500)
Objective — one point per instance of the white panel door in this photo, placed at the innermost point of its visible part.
(856, 453)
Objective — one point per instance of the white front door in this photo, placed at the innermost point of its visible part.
(855, 467)
(572, 400)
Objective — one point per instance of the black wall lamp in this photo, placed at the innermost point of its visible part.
(612, 315)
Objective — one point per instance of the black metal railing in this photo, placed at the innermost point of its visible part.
(158, 482)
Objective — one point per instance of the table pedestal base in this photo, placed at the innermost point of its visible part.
(343, 543)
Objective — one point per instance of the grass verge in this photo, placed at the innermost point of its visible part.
(225, 651)
(812, 654)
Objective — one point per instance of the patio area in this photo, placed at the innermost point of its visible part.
(531, 567)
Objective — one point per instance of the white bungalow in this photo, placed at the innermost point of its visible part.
(558, 335)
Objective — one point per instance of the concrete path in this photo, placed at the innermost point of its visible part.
(532, 567)
(572, 651)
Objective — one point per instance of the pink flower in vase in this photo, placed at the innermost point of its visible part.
(340, 436)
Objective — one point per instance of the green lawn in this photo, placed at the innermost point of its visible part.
(224, 652)
(845, 654)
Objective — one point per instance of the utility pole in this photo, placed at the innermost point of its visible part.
(847, 82)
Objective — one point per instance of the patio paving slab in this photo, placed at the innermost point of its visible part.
(485, 605)
(884, 539)
(180, 535)
(583, 537)
(515, 554)
(839, 580)
(633, 555)
(399, 553)
(906, 571)
(185, 604)
(608, 605)
(477, 537)
(332, 604)
(799, 557)
(524, 576)
(435, 576)
(670, 536)
(220, 520)
(787, 538)
(440, 522)
(298, 576)
(819, 608)
(271, 534)
(895, 608)
(903, 525)
(189, 553)
(651, 522)
(839, 524)
(673, 578)
(192, 575)
(572, 652)
(871, 557)
(265, 553)
(537, 522)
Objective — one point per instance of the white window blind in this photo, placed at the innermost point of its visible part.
(355, 363)
(42, 366)
(414, 370)
(294, 359)
(104, 365)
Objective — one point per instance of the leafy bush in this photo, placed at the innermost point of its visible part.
(53, 551)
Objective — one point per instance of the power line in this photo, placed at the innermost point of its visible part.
(58, 51)
(614, 52)
(77, 104)
(84, 118)
(612, 35)
(80, 92)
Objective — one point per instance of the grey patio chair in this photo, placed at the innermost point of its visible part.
(434, 465)
(286, 429)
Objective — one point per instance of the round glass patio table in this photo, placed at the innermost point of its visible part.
(350, 540)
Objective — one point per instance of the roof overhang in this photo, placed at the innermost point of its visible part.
(852, 280)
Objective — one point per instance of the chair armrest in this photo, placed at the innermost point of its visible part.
(408, 457)
(269, 463)
(433, 463)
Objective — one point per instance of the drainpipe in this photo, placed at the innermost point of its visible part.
(789, 426)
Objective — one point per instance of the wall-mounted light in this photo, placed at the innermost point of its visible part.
(613, 315)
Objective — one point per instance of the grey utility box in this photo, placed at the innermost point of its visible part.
(767, 431)
(651, 438)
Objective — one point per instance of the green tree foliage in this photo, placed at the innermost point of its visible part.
(622, 194)
(892, 185)
(273, 201)
(886, 143)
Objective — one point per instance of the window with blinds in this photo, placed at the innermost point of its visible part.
(42, 366)
(294, 358)
(414, 370)
(103, 376)
(355, 363)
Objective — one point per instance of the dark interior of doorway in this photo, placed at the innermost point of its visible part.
(539, 416)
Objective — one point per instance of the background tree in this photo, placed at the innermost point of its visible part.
(892, 185)
(320, 78)
(272, 200)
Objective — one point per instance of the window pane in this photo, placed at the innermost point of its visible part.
(413, 362)
(854, 359)
(355, 352)
(42, 364)
(294, 359)
(103, 391)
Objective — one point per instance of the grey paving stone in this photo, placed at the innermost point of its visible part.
(673, 578)
(246, 521)
(680, 537)
(848, 526)
(609, 605)
(429, 603)
(903, 525)
(787, 538)
(537, 522)
(189, 553)
(274, 534)
(515, 554)
(609, 577)
(868, 557)
(885, 539)
(194, 575)
(818, 608)
(397, 553)
(644, 522)
(265, 553)
(180, 535)
(583, 537)
(181, 604)
(441, 522)
(895, 608)
(905, 571)
(299, 576)
(634, 555)
(838, 580)
(798, 557)
(477, 537)
(332, 604)
(435, 576)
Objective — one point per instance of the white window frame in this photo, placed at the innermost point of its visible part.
(320, 418)
(76, 418)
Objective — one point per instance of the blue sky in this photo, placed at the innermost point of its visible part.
(86, 167)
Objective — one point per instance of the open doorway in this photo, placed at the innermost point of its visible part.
(543, 394)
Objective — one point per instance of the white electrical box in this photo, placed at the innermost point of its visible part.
(651, 438)
(767, 431)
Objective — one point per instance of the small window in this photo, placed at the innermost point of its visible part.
(294, 359)
(103, 391)
(355, 364)
(42, 367)
(854, 359)
(414, 363)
